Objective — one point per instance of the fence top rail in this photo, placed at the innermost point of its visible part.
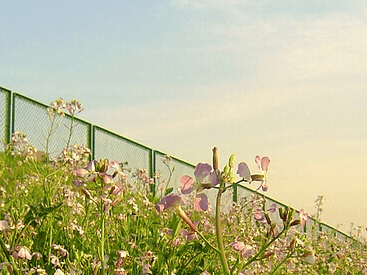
(5, 89)
(175, 158)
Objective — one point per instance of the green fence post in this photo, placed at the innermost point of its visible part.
(91, 143)
(14, 95)
(152, 171)
(235, 193)
(8, 108)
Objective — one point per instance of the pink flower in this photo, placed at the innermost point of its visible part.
(259, 216)
(246, 250)
(272, 208)
(175, 201)
(262, 163)
(3, 225)
(171, 200)
(24, 253)
(243, 171)
(201, 202)
(303, 217)
(205, 178)
(188, 234)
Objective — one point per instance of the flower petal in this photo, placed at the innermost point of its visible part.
(265, 161)
(247, 251)
(272, 208)
(80, 172)
(243, 171)
(187, 184)
(171, 200)
(238, 246)
(214, 177)
(201, 171)
(201, 202)
(258, 161)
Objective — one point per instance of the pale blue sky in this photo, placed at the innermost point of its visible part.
(282, 78)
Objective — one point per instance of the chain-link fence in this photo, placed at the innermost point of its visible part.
(30, 116)
(20, 113)
(5, 116)
(115, 147)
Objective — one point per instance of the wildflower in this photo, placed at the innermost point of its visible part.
(60, 250)
(171, 200)
(3, 225)
(309, 255)
(24, 253)
(59, 272)
(244, 172)
(272, 208)
(263, 165)
(189, 235)
(205, 178)
(303, 217)
(259, 216)
(146, 269)
(246, 250)
(74, 107)
(121, 254)
(175, 201)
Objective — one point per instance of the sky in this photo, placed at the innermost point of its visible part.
(286, 79)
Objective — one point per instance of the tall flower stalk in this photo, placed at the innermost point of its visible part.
(104, 190)
(74, 107)
(54, 111)
(218, 223)
(207, 178)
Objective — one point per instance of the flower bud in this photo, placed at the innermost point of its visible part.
(215, 158)
(290, 214)
(226, 170)
(295, 222)
(86, 193)
(292, 245)
(267, 218)
(281, 213)
(285, 215)
(231, 160)
(102, 165)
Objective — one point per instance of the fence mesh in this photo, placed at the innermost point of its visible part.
(180, 168)
(114, 147)
(30, 117)
(4, 115)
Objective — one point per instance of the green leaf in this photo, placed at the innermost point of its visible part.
(168, 190)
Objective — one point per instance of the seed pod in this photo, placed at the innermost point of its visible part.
(267, 218)
(281, 213)
(215, 158)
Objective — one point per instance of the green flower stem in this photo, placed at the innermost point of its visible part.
(263, 249)
(70, 130)
(10, 259)
(218, 231)
(207, 242)
(50, 239)
(50, 131)
(102, 229)
(102, 241)
(282, 262)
